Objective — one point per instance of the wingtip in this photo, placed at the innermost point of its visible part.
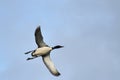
(57, 74)
(38, 25)
(37, 29)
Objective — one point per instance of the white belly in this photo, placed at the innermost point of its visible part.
(42, 51)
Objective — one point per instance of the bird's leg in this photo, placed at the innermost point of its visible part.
(32, 57)
(29, 58)
(29, 52)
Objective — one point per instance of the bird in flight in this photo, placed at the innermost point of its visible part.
(44, 51)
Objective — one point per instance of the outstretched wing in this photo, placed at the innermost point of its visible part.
(39, 38)
(50, 65)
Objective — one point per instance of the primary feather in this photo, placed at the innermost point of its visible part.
(39, 38)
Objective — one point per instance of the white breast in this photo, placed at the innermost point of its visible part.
(42, 51)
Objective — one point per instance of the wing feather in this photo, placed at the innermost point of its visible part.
(39, 38)
(50, 65)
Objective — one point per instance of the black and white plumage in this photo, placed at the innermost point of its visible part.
(44, 51)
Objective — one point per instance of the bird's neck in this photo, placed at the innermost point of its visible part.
(57, 47)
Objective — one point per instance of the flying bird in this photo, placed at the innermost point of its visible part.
(44, 51)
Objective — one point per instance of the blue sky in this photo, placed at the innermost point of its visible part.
(89, 30)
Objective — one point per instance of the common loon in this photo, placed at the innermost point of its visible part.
(44, 51)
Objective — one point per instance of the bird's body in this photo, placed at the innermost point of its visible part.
(41, 51)
(44, 51)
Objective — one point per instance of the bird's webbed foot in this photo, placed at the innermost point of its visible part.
(29, 58)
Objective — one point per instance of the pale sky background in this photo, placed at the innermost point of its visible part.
(89, 30)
